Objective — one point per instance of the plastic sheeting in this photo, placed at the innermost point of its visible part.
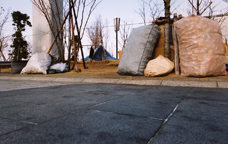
(200, 47)
(159, 66)
(139, 50)
(99, 54)
(38, 63)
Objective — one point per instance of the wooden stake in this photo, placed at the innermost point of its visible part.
(69, 40)
(60, 28)
(74, 44)
(79, 37)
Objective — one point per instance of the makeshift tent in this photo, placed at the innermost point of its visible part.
(100, 54)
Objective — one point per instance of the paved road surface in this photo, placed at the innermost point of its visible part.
(49, 112)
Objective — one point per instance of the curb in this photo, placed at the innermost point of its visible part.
(172, 83)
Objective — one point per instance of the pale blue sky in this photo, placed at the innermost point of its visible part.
(108, 9)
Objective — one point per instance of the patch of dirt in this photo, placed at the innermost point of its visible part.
(98, 68)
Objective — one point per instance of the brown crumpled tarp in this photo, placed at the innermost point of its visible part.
(200, 47)
(158, 66)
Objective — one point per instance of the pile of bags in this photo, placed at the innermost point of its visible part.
(40, 63)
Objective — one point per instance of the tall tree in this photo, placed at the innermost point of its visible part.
(95, 32)
(167, 28)
(155, 9)
(53, 14)
(19, 43)
(124, 34)
(142, 11)
(3, 39)
(98, 33)
(79, 8)
(149, 10)
(199, 7)
(106, 35)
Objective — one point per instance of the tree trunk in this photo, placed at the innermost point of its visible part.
(198, 5)
(74, 44)
(4, 59)
(167, 29)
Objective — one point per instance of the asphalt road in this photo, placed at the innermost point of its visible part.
(49, 112)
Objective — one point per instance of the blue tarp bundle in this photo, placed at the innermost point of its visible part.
(99, 55)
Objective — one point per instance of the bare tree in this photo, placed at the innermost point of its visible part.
(53, 14)
(98, 34)
(152, 9)
(226, 1)
(106, 35)
(81, 19)
(124, 34)
(142, 10)
(199, 7)
(155, 9)
(82, 10)
(95, 32)
(3, 39)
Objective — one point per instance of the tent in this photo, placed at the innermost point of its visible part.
(99, 54)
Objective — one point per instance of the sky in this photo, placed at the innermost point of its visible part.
(108, 9)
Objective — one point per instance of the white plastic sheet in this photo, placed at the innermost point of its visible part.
(38, 63)
(60, 67)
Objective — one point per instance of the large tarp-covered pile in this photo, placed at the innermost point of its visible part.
(100, 54)
(139, 50)
(200, 47)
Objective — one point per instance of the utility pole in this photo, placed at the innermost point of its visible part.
(117, 28)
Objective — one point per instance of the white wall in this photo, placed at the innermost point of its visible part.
(42, 36)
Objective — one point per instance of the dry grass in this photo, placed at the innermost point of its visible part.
(109, 68)
(94, 68)
(98, 68)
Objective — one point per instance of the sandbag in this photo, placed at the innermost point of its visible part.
(159, 66)
(200, 47)
(38, 63)
(139, 50)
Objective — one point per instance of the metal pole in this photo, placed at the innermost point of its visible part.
(176, 49)
(117, 25)
(116, 44)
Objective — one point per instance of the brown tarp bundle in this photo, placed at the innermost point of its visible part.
(200, 47)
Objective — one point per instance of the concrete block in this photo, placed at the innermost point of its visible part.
(140, 82)
(189, 83)
(222, 84)
(42, 79)
(20, 78)
(73, 80)
(4, 78)
(111, 81)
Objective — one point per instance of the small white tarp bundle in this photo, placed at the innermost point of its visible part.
(139, 50)
(60, 67)
(38, 63)
(159, 66)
